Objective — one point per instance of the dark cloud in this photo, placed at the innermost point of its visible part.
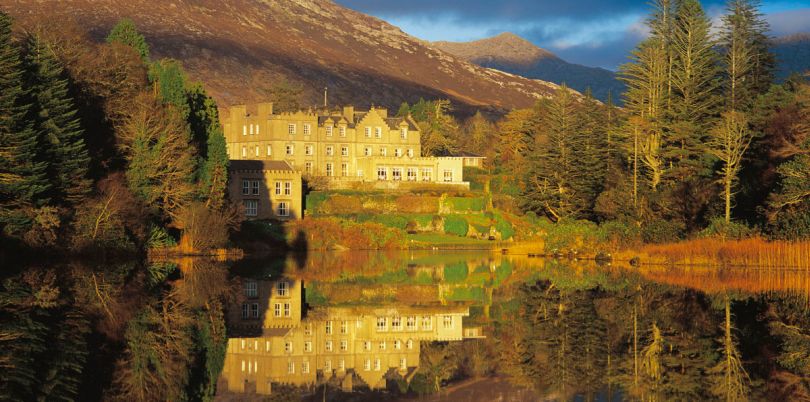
(591, 32)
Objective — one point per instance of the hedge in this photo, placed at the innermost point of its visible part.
(456, 225)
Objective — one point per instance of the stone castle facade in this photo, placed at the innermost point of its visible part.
(346, 146)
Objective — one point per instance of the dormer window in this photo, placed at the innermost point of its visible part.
(378, 132)
(403, 133)
(291, 129)
(342, 131)
(328, 131)
(306, 128)
(368, 132)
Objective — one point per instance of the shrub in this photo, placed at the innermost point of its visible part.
(315, 200)
(417, 204)
(392, 221)
(732, 230)
(619, 234)
(456, 225)
(159, 238)
(569, 234)
(790, 225)
(503, 227)
(662, 231)
(342, 204)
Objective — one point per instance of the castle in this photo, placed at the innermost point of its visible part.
(344, 145)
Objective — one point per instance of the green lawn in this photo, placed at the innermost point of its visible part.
(439, 238)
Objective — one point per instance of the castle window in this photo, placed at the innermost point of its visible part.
(382, 324)
(411, 323)
(383, 345)
(396, 173)
(287, 188)
(344, 151)
(377, 364)
(329, 328)
(291, 129)
(251, 207)
(269, 150)
(328, 346)
(308, 168)
(403, 364)
(291, 368)
(308, 346)
(341, 365)
(306, 128)
(403, 133)
(327, 366)
(367, 365)
(277, 310)
(344, 169)
(368, 132)
(257, 129)
(278, 188)
(378, 132)
(245, 187)
(367, 151)
(328, 131)
(344, 345)
(427, 323)
(244, 152)
(308, 149)
(251, 129)
(397, 344)
(342, 131)
(382, 173)
(329, 171)
(305, 367)
(251, 288)
(383, 151)
(448, 175)
(397, 152)
(254, 186)
(427, 174)
(359, 172)
(396, 323)
(330, 150)
(283, 209)
(244, 130)
(367, 345)
(245, 309)
(448, 322)
(286, 309)
(288, 346)
(409, 344)
(411, 174)
(344, 327)
(290, 149)
(254, 310)
(282, 289)
(257, 150)
(410, 152)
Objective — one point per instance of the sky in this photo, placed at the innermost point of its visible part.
(597, 33)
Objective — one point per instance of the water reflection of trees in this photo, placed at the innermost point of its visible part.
(112, 331)
(655, 342)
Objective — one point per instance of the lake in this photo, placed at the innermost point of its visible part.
(438, 326)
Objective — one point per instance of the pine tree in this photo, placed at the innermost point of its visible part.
(729, 141)
(748, 62)
(23, 183)
(57, 125)
(694, 97)
(438, 131)
(170, 79)
(126, 33)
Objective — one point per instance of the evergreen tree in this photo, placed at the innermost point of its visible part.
(170, 80)
(404, 110)
(694, 96)
(748, 62)
(515, 135)
(286, 96)
(556, 180)
(23, 182)
(478, 134)
(57, 124)
(126, 33)
(438, 131)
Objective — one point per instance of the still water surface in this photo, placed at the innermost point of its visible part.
(480, 326)
(436, 326)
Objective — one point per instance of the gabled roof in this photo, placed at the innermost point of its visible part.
(242, 164)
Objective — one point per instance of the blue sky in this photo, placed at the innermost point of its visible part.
(591, 32)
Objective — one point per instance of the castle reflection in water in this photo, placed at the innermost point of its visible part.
(276, 339)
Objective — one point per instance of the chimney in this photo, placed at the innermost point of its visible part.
(265, 109)
(348, 113)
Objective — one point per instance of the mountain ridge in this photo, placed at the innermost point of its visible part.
(511, 53)
(239, 48)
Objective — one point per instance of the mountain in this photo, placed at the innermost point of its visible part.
(511, 53)
(792, 54)
(241, 48)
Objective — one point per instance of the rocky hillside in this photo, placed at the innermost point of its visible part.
(511, 53)
(240, 48)
(792, 54)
